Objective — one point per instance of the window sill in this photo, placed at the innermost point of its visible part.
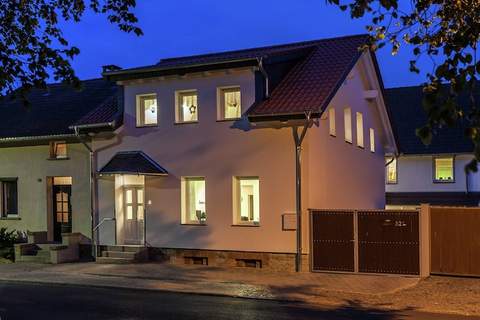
(146, 125)
(193, 224)
(443, 181)
(246, 225)
(391, 182)
(361, 147)
(349, 142)
(185, 122)
(10, 218)
(59, 159)
(229, 120)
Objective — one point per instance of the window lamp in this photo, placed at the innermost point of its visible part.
(187, 107)
(58, 150)
(147, 110)
(246, 205)
(193, 200)
(444, 169)
(229, 103)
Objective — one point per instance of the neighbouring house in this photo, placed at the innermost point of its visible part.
(44, 165)
(203, 169)
(432, 174)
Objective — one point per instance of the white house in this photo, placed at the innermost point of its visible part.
(203, 169)
(432, 174)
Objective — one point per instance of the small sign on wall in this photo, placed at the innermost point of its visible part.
(289, 221)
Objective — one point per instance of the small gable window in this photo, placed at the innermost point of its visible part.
(391, 169)
(331, 121)
(443, 169)
(186, 106)
(58, 150)
(372, 140)
(360, 141)
(147, 110)
(347, 117)
(229, 103)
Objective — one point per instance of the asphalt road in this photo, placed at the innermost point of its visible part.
(32, 301)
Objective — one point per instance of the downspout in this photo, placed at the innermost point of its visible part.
(265, 75)
(92, 188)
(298, 139)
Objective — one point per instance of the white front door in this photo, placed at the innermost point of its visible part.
(134, 214)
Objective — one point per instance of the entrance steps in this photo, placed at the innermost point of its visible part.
(122, 254)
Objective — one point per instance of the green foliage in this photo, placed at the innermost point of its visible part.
(445, 31)
(7, 240)
(32, 46)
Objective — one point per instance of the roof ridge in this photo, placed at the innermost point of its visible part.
(278, 46)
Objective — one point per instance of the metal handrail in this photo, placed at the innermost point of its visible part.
(102, 221)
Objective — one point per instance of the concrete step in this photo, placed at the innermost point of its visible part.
(110, 260)
(124, 248)
(119, 254)
(34, 259)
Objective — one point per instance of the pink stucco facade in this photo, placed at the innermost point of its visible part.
(336, 174)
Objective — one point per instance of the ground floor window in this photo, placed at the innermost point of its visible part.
(193, 200)
(8, 197)
(443, 169)
(246, 204)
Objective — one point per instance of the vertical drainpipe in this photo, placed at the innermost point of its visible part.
(92, 188)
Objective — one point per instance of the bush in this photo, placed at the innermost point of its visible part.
(7, 240)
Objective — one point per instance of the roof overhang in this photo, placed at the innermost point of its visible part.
(132, 163)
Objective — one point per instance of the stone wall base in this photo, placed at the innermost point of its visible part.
(276, 262)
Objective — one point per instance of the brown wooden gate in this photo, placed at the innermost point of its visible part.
(455, 241)
(388, 242)
(332, 241)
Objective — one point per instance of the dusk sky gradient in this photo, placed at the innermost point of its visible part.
(188, 27)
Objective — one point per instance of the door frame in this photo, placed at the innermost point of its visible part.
(135, 187)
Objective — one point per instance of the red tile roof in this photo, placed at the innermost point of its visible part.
(313, 82)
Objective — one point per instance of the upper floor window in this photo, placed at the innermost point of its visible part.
(360, 141)
(392, 176)
(147, 110)
(246, 203)
(193, 200)
(58, 150)
(186, 106)
(331, 122)
(229, 103)
(8, 197)
(347, 118)
(443, 169)
(372, 140)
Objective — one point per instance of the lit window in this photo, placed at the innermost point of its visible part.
(147, 110)
(58, 150)
(230, 103)
(360, 130)
(372, 140)
(443, 169)
(187, 106)
(193, 200)
(391, 170)
(8, 198)
(246, 200)
(347, 117)
(331, 120)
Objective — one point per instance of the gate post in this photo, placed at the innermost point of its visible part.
(424, 239)
(355, 241)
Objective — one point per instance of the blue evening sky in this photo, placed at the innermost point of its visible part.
(187, 27)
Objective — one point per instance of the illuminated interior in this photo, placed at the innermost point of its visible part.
(443, 169)
(194, 208)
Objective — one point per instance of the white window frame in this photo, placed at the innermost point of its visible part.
(185, 218)
(53, 150)
(221, 102)
(372, 140)
(3, 213)
(360, 131)
(140, 110)
(237, 221)
(178, 116)
(347, 120)
(394, 163)
(332, 122)
(434, 166)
